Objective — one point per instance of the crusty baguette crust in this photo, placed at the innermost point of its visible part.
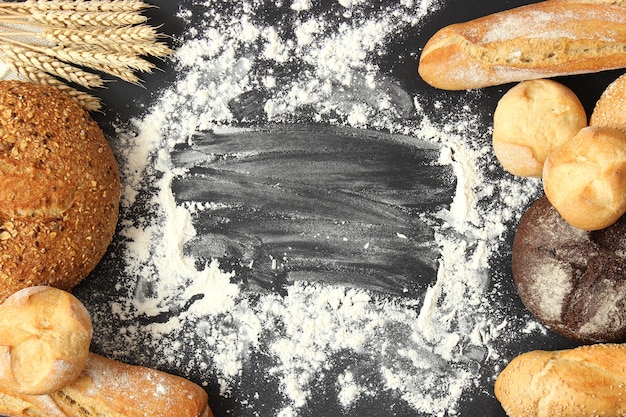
(112, 389)
(541, 40)
(621, 3)
(586, 381)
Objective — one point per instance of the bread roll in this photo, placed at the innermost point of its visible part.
(45, 335)
(107, 388)
(571, 280)
(59, 189)
(540, 40)
(609, 110)
(586, 381)
(530, 120)
(585, 178)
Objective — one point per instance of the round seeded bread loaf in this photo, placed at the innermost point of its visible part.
(59, 189)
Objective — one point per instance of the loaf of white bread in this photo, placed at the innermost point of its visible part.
(46, 368)
(540, 40)
(586, 381)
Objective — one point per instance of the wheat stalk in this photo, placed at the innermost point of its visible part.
(74, 19)
(33, 74)
(63, 42)
(21, 56)
(135, 38)
(92, 5)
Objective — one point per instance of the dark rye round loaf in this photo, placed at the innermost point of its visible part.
(59, 189)
(573, 281)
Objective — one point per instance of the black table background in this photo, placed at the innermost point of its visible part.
(123, 101)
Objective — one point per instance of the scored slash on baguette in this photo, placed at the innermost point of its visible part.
(541, 40)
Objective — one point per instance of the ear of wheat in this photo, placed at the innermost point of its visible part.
(73, 44)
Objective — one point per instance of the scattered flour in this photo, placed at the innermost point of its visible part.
(318, 67)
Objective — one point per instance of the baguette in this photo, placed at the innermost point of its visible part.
(585, 381)
(541, 40)
(107, 388)
(621, 3)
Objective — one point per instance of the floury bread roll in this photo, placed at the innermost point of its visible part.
(609, 109)
(571, 280)
(585, 178)
(530, 120)
(540, 40)
(107, 388)
(45, 335)
(586, 381)
(59, 189)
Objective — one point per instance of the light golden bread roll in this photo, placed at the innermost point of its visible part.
(45, 335)
(530, 120)
(609, 109)
(540, 40)
(107, 388)
(585, 178)
(59, 189)
(586, 381)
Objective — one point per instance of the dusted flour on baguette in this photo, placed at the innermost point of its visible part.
(107, 388)
(586, 381)
(613, 2)
(540, 40)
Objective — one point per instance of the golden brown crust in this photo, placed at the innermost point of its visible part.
(112, 389)
(132, 391)
(586, 381)
(59, 189)
(621, 3)
(540, 40)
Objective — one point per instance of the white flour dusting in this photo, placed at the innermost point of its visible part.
(426, 353)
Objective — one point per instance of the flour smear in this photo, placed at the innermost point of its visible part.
(244, 63)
